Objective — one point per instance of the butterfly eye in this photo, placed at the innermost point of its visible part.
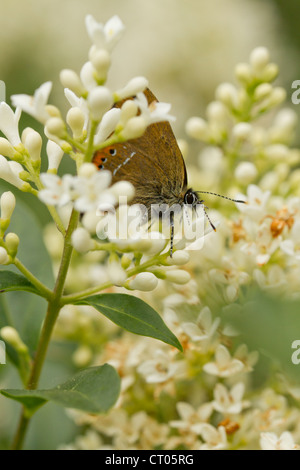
(190, 198)
(112, 152)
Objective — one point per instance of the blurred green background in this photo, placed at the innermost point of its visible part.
(184, 48)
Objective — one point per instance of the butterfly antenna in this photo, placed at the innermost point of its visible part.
(224, 197)
(209, 220)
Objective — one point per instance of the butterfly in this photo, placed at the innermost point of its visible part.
(154, 164)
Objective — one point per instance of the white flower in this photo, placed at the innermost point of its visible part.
(215, 439)
(224, 365)
(161, 368)
(58, 191)
(255, 203)
(35, 105)
(204, 328)
(104, 36)
(155, 111)
(93, 193)
(9, 171)
(270, 441)
(229, 402)
(191, 419)
(9, 123)
(291, 246)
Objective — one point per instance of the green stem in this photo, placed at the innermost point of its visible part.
(73, 298)
(43, 290)
(53, 310)
(90, 147)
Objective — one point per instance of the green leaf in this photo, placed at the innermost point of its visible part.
(133, 315)
(28, 311)
(269, 324)
(93, 390)
(11, 281)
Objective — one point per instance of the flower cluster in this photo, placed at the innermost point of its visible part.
(205, 398)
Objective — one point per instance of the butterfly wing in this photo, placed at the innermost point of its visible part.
(153, 163)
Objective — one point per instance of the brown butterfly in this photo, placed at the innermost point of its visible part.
(154, 165)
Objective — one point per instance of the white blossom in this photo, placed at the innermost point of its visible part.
(214, 438)
(9, 123)
(57, 191)
(104, 36)
(229, 402)
(224, 365)
(270, 441)
(9, 171)
(161, 368)
(155, 111)
(35, 105)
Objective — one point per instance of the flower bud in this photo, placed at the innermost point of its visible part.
(100, 100)
(179, 258)
(12, 242)
(278, 95)
(82, 356)
(277, 152)
(107, 125)
(227, 94)
(33, 142)
(242, 130)
(9, 171)
(87, 76)
(124, 189)
(76, 120)
(217, 112)
(134, 86)
(128, 110)
(126, 261)
(81, 240)
(11, 336)
(116, 273)
(262, 91)
(4, 258)
(71, 80)
(259, 58)
(6, 148)
(270, 72)
(245, 173)
(145, 282)
(55, 126)
(178, 276)
(7, 205)
(134, 128)
(55, 154)
(197, 128)
(100, 58)
(243, 73)
(87, 170)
